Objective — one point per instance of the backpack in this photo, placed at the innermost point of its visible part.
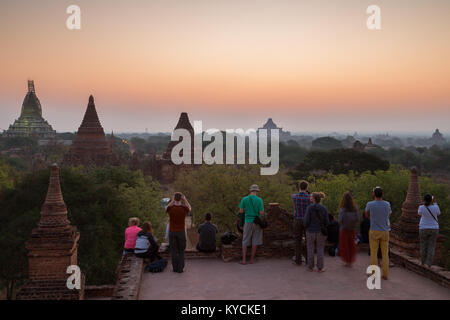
(157, 266)
(228, 237)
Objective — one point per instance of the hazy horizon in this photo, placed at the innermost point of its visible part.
(311, 65)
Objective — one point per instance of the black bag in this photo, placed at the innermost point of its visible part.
(323, 225)
(262, 223)
(157, 266)
(228, 237)
(241, 220)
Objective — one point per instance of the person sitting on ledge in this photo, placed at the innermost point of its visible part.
(146, 246)
(207, 235)
(131, 235)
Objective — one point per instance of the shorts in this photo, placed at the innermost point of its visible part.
(253, 235)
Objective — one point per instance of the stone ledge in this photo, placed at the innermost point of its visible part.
(194, 254)
(103, 291)
(435, 273)
(129, 275)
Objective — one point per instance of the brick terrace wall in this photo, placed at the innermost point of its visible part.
(435, 273)
(129, 274)
(104, 291)
(278, 240)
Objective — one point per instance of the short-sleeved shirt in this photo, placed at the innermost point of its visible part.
(252, 205)
(380, 211)
(207, 233)
(426, 220)
(301, 201)
(131, 236)
(177, 218)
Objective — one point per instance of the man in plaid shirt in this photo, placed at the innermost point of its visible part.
(301, 201)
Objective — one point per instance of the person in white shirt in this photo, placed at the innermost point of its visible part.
(428, 229)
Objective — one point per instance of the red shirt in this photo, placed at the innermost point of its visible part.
(177, 217)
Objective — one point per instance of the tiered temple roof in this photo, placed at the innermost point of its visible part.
(52, 247)
(31, 123)
(90, 147)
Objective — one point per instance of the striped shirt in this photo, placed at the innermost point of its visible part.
(301, 201)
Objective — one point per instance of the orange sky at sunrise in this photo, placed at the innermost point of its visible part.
(310, 65)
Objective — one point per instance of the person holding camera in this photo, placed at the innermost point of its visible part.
(253, 208)
(428, 229)
(177, 209)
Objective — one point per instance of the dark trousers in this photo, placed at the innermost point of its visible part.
(299, 232)
(151, 253)
(205, 250)
(177, 243)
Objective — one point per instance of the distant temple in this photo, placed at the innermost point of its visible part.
(90, 147)
(437, 138)
(270, 125)
(53, 246)
(183, 123)
(162, 168)
(31, 123)
(359, 146)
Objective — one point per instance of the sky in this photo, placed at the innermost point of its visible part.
(311, 65)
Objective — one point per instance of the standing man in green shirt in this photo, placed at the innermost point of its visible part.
(252, 206)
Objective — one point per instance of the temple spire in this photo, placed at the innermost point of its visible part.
(90, 147)
(31, 86)
(54, 210)
(52, 247)
(183, 123)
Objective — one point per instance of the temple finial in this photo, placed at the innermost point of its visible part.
(31, 86)
(91, 99)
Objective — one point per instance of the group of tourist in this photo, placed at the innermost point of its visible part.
(312, 219)
(141, 242)
(312, 223)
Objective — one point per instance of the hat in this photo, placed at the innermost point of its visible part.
(254, 187)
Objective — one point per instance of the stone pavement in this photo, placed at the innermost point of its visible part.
(279, 279)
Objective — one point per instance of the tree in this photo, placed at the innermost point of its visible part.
(339, 161)
(326, 143)
(291, 154)
(6, 176)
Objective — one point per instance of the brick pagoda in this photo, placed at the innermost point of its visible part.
(162, 168)
(90, 147)
(183, 123)
(52, 247)
(405, 232)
